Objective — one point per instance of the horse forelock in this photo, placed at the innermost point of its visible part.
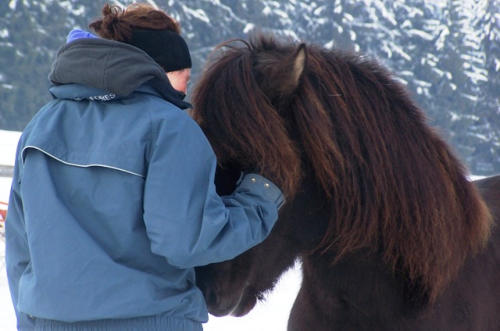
(392, 183)
(240, 121)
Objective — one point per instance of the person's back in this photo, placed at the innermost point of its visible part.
(113, 200)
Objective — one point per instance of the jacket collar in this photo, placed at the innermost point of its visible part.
(79, 92)
(113, 67)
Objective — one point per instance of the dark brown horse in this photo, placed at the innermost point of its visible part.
(391, 234)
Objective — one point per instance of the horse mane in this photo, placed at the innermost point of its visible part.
(393, 185)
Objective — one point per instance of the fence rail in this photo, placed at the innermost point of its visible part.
(6, 171)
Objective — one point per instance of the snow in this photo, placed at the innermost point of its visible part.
(197, 13)
(338, 9)
(152, 3)
(352, 35)
(347, 18)
(329, 45)
(5, 189)
(401, 52)
(421, 34)
(477, 76)
(69, 7)
(8, 145)
(13, 4)
(388, 15)
(7, 316)
(471, 98)
(248, 27)
(318, 11)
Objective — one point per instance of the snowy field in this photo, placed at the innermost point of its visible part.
(269, 315)
(7, 317)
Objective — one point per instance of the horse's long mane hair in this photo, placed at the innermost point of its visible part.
(392, 184)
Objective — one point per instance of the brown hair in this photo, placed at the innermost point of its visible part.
(117, 23)
(392, 183)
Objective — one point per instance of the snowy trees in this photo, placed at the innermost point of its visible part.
(446, 51)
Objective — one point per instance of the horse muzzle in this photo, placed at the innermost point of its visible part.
(221, 303)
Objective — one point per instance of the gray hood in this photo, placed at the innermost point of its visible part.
(112, 66)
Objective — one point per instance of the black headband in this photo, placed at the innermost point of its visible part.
(166, 47)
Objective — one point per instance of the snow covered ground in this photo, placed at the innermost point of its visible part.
(269, 315)
(8, 144)
(7, 316)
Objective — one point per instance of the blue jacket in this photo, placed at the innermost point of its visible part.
(113, 201)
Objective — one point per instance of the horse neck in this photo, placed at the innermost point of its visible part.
(305, 217)
(359, 284)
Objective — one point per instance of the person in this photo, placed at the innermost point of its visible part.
(113, 201)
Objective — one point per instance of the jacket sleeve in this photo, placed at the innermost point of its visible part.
(17, 256)
(187, 222)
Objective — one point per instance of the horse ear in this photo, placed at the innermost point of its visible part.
(299, 64)
(289, 74)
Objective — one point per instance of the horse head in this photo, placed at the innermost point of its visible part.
(262, 144)
(359, 167)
